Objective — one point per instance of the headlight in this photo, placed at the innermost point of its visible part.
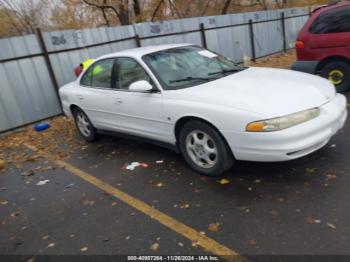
(284, 122)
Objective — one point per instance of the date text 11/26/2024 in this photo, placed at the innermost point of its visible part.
(173, 258)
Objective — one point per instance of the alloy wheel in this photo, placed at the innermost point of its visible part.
(202, 149)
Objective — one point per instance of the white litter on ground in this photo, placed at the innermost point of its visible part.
(43, 182)
(133, 165)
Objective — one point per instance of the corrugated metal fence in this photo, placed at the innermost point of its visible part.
(33, 66)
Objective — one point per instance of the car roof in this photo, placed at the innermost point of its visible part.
(330, 6)
(141, 51)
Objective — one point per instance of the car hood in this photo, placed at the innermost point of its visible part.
(265, 91)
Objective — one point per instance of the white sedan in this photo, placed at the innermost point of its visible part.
(205, 106)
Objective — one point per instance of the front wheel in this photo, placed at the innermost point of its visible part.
(84, 125)
(338, 72)
(204, 149)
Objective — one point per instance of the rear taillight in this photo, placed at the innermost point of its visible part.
(299, 45)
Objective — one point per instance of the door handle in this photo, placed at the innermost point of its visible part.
(118, 101)
(80, 97)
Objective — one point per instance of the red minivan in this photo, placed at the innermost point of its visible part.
(323, 45)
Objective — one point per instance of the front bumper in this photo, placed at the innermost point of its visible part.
(293, 142)
(306, 66)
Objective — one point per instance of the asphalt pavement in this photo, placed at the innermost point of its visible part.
(262, 211)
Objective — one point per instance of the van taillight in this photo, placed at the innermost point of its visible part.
(299, 45)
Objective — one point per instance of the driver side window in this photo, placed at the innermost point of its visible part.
(129, 71)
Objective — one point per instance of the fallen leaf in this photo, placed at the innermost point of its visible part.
(274, 213)
(154, 246)
(214, 227)
(184, 206)
(15, 214)
(28, 173)
(224, 181)
(51, 245)
(2, 164)
(312, 220)
(31, 158)
(330, 177)
(252, 242)
(311, 170)
(331, 226)
(88, 202)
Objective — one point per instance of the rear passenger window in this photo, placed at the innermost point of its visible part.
(99, 74)
(333, 21)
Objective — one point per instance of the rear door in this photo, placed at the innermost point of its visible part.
(96, 98)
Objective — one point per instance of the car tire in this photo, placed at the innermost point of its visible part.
(204, 149)
(84, 125)
(338, 72)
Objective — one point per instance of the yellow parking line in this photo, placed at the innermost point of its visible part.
(197, 238)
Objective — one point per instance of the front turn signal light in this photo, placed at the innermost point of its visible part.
(255, 127)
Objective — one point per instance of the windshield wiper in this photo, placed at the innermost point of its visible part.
(191, 78)
(225, 71)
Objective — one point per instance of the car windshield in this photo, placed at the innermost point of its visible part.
(188, 66)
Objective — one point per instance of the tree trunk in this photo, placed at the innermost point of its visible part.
(137, 8)
(226, 7)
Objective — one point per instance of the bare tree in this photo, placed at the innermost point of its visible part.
(125, 11)
(25, 16)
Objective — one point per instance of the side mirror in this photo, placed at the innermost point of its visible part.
(141, 86)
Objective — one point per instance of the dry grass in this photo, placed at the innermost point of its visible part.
(282, 60)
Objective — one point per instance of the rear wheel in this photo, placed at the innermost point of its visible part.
(204, 149)
(338, 72)
(84, 125)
